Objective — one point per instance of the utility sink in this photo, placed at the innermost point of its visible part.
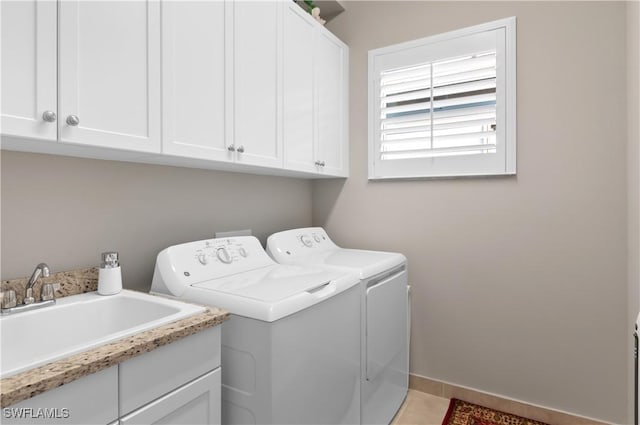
(81, 322)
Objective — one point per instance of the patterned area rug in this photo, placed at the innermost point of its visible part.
(464, 413)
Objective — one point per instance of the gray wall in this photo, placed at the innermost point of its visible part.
(519, 284)
(633, 119)
(66, 211)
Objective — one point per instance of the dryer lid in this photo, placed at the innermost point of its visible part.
(365, 263)
(312, 246)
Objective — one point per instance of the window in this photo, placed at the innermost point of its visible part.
(444, 106)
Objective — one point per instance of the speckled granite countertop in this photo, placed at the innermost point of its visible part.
(35, 381)
(32, 382)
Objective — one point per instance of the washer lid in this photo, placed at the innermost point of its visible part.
(272, 292)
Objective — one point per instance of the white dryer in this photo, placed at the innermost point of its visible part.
(384, 304)
(291, 349)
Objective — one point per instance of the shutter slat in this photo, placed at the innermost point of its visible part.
(425, 153)
(470, 113)
(418, 94)
(405, 120)
(391, 77)
(470, 86)
(479, 74)
(463, 65)
(461, 101)
(405, 86)
(444, 139)
(413, 107)
(436, 127)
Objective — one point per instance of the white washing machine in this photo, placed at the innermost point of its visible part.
(291, 349)
(384, 303)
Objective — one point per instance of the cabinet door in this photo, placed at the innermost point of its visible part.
(197, 402)
(29, 50)
(193, 79)
(298, 74)
(109, 62)
(92, 399)
(256, 60)
(331, 98)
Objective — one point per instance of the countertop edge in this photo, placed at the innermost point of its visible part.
(30, 383)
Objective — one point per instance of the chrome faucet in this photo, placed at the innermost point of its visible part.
(8, 304)
(41, 270)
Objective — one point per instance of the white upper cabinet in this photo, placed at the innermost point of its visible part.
(28, 101)
(315, 97)
(256, 61)
(298, 107)
(240, 85)
(221, 63)
(109, 62)
(193, 85)
(331, 92)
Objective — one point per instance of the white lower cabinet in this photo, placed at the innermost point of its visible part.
(178, 383)
(197, 402)
(89, 400)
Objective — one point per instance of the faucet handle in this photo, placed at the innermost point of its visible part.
(9, 298)
(28, 297)
(47, 292)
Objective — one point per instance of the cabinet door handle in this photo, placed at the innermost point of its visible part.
(49, 116)
(231, 148)
(73, 120)
(240, 149)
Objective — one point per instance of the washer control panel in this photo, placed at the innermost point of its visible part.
(223, 251)
(213, 258)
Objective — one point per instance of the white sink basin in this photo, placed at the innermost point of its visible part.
(78, 323)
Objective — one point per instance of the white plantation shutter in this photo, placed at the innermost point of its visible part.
(441, 110)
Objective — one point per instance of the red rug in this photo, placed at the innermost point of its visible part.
(464, 413)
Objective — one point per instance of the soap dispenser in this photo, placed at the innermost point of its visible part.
(109, 275)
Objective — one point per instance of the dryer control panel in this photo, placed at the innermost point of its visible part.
(298, 242)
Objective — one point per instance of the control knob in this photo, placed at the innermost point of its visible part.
(306, 240)
(316, 238)
(223, 255)
(202, 257)
(242, 252)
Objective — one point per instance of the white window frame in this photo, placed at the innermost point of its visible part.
(433, 48)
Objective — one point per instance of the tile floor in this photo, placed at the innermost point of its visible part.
(421, 409)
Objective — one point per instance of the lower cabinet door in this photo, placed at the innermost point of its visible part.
(197, 402)
(92, 399)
